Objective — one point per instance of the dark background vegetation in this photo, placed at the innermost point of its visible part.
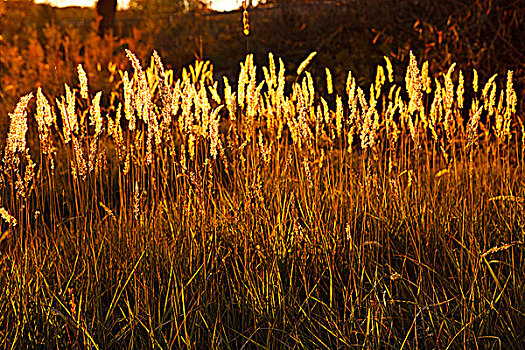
(42, 45)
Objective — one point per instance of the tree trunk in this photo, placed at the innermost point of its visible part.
(106, 16)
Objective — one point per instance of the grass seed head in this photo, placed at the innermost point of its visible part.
(45, 118)
(8, 218)
(413, 85)
(475, 81)
(329, 85)
(305, 63)
(472, 130)
(339, 115)
(129, 105)
(425, 78)
(82, 77)
(510, 94)
(448, 93)
(389, 69)
(79, 157)
(94, 113)
(461, 90)
(380, 81)
(16, 138)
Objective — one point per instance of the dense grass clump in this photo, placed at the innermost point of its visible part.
(192, 213)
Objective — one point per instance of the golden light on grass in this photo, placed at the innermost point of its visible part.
(194, 200)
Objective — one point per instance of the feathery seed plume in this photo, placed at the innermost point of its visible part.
(273, 77)
(472, 129)
(305, 63)
(367, 132)
(82, 77)
(94, 112)
(380, 81)
(389, 69)
(329, 84)
(311, 89)
(79, 157)
(16, 138)
(448, 93)
(93, 146)
(129, 104)
(214, 131)
(69, 118)
(8, 218)
(24, 188)
(488, 85)
(280, 79)
(243, 81)
(461, 89)
(72, 117)
(413, 85)
(475, 81)
(326, 111)
(425, 78)
(142, 99)
(350, 138)
(339, 116)
(491, 101)
(214, 94)
(511, 94)
(362, 99)
(45, 118)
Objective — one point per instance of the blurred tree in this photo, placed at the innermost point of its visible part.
(106, 16)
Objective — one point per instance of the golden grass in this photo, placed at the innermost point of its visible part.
(244, 215)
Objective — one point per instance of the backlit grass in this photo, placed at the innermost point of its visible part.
(187, 212)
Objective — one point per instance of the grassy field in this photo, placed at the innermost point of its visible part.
(184, 212)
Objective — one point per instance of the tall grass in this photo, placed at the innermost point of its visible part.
(193, 213)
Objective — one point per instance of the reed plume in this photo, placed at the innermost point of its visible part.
(413, 86)
(83, 80)
(16, 138)
(8, 218)
(305, 63)
(389, 69)
(45, 118)
(329, 85)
